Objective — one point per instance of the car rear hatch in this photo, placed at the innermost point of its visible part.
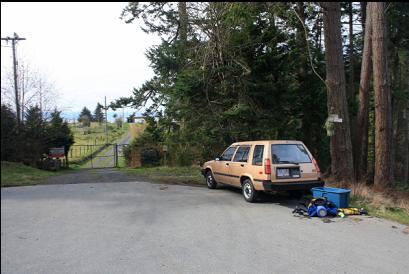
(291, 162)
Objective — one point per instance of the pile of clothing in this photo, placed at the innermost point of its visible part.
(322, 207)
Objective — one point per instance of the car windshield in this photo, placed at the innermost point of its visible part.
(289, 154)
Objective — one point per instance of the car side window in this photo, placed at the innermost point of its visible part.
(242, 154)
(258, 155)
(228, 154)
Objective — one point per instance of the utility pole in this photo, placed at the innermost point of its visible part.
(106, 121)
(14, 41)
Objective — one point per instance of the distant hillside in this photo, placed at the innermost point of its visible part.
(73, 115)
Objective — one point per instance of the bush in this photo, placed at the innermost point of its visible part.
(150, 156)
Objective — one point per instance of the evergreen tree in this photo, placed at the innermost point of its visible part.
(8, 134)
(85, 117)
(58, 132)
(98, 114)
(34, 136)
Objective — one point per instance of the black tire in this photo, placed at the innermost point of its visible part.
(210, 181)
(249, 193)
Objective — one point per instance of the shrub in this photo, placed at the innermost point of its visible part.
(150, 156)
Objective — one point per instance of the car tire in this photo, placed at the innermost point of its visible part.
(249, 193)
(210, 181)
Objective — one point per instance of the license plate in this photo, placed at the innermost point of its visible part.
(295, 173)
(283, 172)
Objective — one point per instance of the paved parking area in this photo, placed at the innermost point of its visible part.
(139, 227)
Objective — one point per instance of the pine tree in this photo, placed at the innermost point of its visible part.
(98, 114)
(383, 107)
(85, 117)
(340, 146)
(8, 134)
(34, 136)
(58, 132)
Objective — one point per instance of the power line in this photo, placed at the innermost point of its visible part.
(14, 40)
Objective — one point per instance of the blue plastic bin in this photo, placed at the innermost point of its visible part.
(339, 196)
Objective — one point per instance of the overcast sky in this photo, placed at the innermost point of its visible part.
(84, 48)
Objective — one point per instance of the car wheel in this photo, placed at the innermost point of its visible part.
(210, 181)
(249, 193)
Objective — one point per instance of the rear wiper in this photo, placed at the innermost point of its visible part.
(288, 162)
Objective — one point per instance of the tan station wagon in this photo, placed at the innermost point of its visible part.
(256, 166)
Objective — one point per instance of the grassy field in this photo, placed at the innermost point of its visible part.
(88, 140)
(165, 174)
(16, 174)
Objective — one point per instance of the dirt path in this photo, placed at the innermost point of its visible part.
(106, 158)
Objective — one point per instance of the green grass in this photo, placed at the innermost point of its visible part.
(166, 174)
(16, 174)
(399, 215)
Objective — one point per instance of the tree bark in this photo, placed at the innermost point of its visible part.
(351, 55)
(182, 21)
(340, 143)
(383, 113)
(361, 140)
(363, 15)
(401, 123)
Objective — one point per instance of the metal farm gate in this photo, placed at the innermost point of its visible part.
(97, 156)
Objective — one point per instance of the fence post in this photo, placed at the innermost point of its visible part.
(92, 166)
(116, 155)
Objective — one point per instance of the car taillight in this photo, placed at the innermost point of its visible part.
(316, 165)
(267, 166)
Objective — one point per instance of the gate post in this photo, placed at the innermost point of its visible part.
(116, 155)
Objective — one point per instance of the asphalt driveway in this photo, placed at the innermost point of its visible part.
(139, 227)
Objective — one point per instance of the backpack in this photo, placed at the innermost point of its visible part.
(321, 207)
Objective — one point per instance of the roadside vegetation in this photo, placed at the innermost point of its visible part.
(17, 174)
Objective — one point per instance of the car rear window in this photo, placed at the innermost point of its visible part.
(289, 153)
(242, 154)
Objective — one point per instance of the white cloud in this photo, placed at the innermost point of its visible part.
(84, 48)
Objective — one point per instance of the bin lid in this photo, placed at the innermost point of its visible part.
(331, 189)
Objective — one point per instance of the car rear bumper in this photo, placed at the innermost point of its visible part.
(304, 185)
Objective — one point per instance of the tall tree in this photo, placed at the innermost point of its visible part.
(383, 109)
(361, 136)
(340, 142)
(85, 117)
(58, 133)
(98, 114)
(34, 136)
(398, 13)
(8, 134)
(351, 85)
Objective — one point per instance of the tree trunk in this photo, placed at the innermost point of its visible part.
(340, 142)
(361, 140)
(303, 65)
(401, 117)
(351, 55)
(363, 15)
(182, 21)
(383, 114)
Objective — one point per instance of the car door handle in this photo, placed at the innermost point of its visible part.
(242, 165)
(227, 164)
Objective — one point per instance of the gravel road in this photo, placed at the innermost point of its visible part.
(139, 227)
(106, 158)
